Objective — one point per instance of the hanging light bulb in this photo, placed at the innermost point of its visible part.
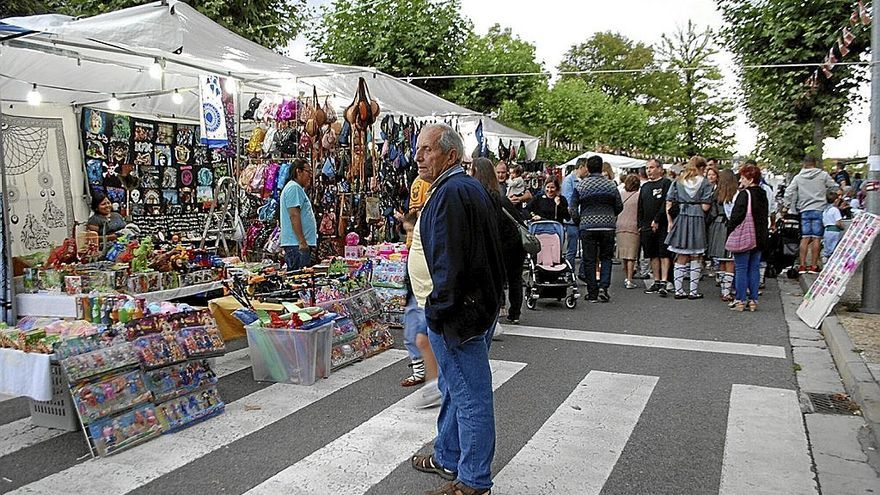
(177, 98)
(230, 85)
(156, 69)
(113, 103)
(34, 97)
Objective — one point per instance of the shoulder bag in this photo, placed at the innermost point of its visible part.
(743, 237)
(530, 243)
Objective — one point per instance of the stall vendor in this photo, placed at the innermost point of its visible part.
(105, 221)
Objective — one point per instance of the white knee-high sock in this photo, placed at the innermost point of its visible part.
(696, 267)
(678, 275)
(726, 283)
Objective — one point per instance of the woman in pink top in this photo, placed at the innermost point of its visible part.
(628, 229)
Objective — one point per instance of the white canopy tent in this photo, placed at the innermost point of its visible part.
(79, 62)
(618, 163)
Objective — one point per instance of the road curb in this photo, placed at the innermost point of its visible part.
(857, 378)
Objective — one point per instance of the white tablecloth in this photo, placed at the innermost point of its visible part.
(23, 373)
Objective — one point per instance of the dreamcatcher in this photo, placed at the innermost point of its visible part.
(24, 148)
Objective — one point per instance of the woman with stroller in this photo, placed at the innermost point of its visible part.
(512, 249)
(628, 228)
(552, 205)
(716, 219)
(687, 202)
(748, 264)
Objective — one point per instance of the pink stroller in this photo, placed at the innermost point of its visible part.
(550, 274)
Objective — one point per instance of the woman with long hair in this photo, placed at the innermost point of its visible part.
(512, 249)
(628, 228)
(687, 202)
(719, 212)
(550, 206)
(748, 264)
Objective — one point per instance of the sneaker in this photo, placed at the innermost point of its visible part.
(802, 269)
(629, 284)
(655, 287)
(603, 295)
(663, 291)
(813, 269)
(591, 298)
(428, 396)
(512, 321)
(681, 296)
(695, 295)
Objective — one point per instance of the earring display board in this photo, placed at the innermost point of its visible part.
(156, 172)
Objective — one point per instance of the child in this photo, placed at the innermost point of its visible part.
(516, 186)
(832, 219)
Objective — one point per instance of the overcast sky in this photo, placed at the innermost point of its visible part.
(555, 25)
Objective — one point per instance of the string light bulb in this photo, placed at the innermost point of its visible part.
(113, 103)
(230, 85)
(177, 98)
(34, 97)
(156, 69)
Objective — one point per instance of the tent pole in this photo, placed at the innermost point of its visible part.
(8, 285)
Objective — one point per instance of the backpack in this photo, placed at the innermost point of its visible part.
(270, 177)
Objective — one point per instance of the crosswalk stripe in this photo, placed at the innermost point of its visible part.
(766, 446)
(20, 434)
(354, 462)
(758, 350)
(131, 469)
(576, 449)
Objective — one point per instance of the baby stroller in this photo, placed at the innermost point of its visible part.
(550, 275)
(783, 246)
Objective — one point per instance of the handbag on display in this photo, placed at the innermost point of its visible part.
(530, 243)
(743, 238)
(255, 144)
(329, 112)
(252, 108)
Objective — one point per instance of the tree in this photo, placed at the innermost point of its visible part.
(400, 37)
(17, 8)
(271, 23)
(612, 51)
(791, 119)
(498, 52)
(694, 106)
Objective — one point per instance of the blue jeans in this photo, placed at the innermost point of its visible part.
(832, 238)
(466, 426)
(598, 245)
(571, 243)
(748, 274)
(811, 224)
(296, 259)
(413, 324)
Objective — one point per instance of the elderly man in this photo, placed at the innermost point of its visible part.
(456, 271)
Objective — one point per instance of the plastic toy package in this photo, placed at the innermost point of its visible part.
(81, 345)
(179, 379)
(377, 337)
(201, 341)
(99, 361)
(347, 353)
(392, 300)
(167, 322)
(109, 395)
(395, 320)
(125, 430)
(186, 410)
(363, 306)
(335, 306)
(158, 349)
(390, 274)
(344, 330)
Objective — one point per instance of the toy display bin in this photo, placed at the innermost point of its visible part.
(290, 356)
(58, 412)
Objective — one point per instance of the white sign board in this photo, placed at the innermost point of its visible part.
(835, 275)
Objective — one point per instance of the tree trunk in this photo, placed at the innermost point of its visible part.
(818, 137)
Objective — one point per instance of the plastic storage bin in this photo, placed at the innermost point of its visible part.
(58, 412)
(290, 356)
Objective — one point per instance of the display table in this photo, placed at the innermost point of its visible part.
(230, 326)
(25, 373)
(64, 305)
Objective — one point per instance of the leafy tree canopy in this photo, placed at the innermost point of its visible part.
(498, 52)
(399, 37)
(792, 120)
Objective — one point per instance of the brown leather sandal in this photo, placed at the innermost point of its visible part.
(427, 464)
(459, 488)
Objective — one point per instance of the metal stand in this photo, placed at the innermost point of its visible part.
(221, 223)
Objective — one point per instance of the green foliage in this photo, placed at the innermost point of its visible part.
(552, 155)
(612, 51)
(17, 8)
(694, 110)
(498, 52)
(791, 120)
(400, 37)
(271, 23)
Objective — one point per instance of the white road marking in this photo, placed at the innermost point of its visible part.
(131, 469)
(766, 447)
(354, 462)
(20, 434)
(758, 350)
(576, 449)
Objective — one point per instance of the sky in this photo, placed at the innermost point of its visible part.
(553, 26)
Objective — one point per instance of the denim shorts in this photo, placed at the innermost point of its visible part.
(811, 224)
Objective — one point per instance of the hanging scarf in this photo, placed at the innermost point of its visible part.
(212, 121)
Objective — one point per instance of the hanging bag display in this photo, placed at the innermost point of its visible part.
(329, 112)
(743, 237)
(364, 110)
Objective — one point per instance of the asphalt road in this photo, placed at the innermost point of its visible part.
(673, 441)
